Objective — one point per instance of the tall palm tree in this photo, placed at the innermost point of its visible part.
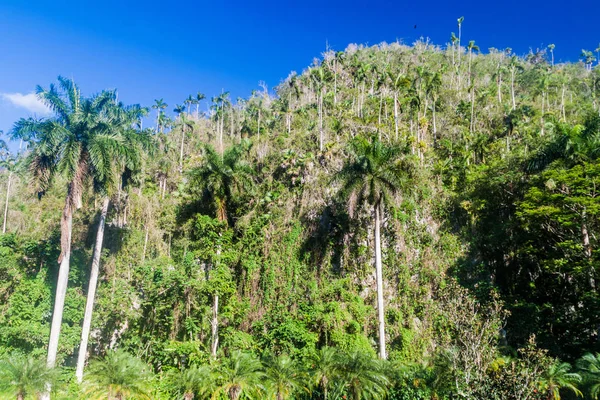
(219, 179)
(192, 382)
(76, 143)
(283, 376)
(513, 67)
(191, 100)
(589, 365)
(240, 373)
(460, 22)
(472, 47)
(373, 175)
(159, 106)
(199, 98)
(10, 164)
(187, 125)
(364, 376)
(126, 156)
(22, 376)
(324, 367)
(557, 377)
(551, 47)
(588, 58)
(119, 375)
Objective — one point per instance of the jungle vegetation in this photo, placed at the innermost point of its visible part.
(394, 222)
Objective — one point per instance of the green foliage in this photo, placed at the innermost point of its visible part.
(24, 377)
(487, 170)
(118, 375)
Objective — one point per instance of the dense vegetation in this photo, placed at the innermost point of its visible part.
(402, 222)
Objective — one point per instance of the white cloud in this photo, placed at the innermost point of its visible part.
(30, 102)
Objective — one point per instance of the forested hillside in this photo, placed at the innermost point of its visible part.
(401, 222)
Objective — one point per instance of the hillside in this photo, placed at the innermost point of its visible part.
(255, 227)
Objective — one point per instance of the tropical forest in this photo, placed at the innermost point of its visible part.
(396, 221)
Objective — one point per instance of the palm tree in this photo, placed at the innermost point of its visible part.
(597, 54)
(76, 144)
(588, 58)
(323, 368)
(453, 41)
(199, 98)
(219, 179)
(22, 376)
(472, 47)
(191, 100)
(9, 163)
(558, 377)
(513, 66)
(374, 174)
(119, 375)
(551, 47)
(192, 382)
(240, 373)
(130, 143)
(222, 177)
(159, 106)
(186, 125)
(460, 21)
(589, 365)
(364, 376)
(283, 376)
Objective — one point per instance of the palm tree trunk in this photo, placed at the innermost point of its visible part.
(512, 88)
(181, 149)
(434, 124)
(562, 103)
(145, 242)
(89, 304)
(542, 115)
(379, 274)
(258, 129)
(6, 202)
(321, 121)
(499, 88)
(61, 289)
(215, 327)
(471, 126)
(396, 113)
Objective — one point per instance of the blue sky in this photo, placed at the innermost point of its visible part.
(152, 49)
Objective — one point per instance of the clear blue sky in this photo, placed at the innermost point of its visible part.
(171, 49)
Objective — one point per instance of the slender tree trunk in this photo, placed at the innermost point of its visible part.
(258, 130)
(396, 113)
(562, 104)
(61, 291)
(512, 88)
(335, 83)
(145, 242)
(89, 305)
(379, 274)
(214, 331)
(181, 149)
(434, 123)
(499, 88)
(321, 120)
(542, 116)
(6, 202)
(587, 248)
(472, 125)
(470, 61)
